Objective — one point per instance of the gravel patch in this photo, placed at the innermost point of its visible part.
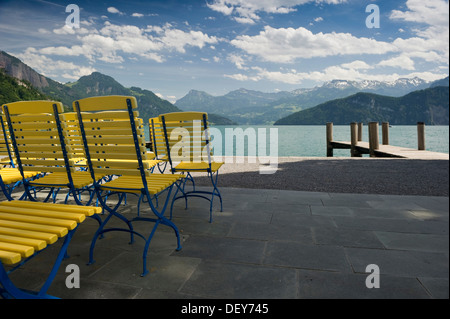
(341, 175)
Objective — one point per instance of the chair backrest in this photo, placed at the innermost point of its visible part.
(37, 136)
(157, 138)
(73, 136)
(187, 137)
(113, 135)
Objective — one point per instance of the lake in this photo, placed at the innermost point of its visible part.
(310, 141)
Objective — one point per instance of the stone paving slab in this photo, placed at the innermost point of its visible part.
(267, 244)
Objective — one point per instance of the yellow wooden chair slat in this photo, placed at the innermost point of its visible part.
(49, 238)
(24, 250)
(198, 167)
(37, 244)
(134, 184)
(78, 217)
(60, 231)
(9, 258)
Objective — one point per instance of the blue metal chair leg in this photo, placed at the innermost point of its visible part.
(181, 189)
(161, 220)
(101, 230)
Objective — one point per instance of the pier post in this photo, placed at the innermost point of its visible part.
(421, 136)
(373, 138)
(360, 131)
(385, 132)
(329, 139)
(354, 139)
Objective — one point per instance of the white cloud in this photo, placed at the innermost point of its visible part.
(137, 15)
(238, 61)
(64, 30)
(178, 39)
(402, 62)
(285, 45)
(357, 65)
(431, 12)
(221, 6)
(54, 68)
(170, 98)
(43, 31)
(67, 30)
(330, 73)
(246, 11)
(110, 42)
(431, 40)
(114, 11)
(241, 77)
(244, 20)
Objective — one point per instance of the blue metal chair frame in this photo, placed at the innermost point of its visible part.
(160, 219)
(213, 176)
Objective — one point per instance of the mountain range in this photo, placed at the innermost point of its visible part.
(96, 84)
(254, 107)
(430, 106)
(387, 100)
(21, 82)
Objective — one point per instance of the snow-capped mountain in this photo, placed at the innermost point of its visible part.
(398, 87)
(254, 107)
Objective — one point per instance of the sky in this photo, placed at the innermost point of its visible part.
(216, 46)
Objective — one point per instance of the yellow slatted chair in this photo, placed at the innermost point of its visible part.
(41, 145)
(189, 151)
(10, 176)
(117, 147)
(26, 229)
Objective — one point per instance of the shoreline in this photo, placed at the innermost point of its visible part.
(384, 176)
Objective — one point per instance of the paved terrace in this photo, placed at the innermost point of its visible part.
(271, 244)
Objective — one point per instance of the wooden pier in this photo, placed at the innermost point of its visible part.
(357, 147)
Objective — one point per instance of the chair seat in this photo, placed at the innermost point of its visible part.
(12, 175)
(133, 184)
(80, 179)
(27, 227)
(150, 162)
(197, 167)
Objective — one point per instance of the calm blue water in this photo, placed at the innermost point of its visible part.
(310, 141)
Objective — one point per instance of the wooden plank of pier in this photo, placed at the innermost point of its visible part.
(390, 151)
(357, 147)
